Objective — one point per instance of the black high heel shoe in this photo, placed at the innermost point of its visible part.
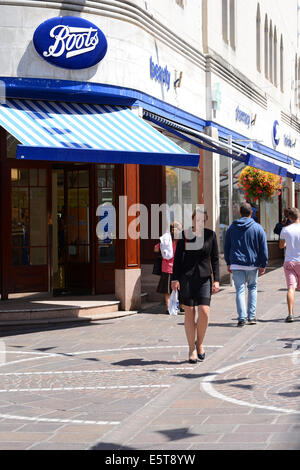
(192, 361)
(201, 357)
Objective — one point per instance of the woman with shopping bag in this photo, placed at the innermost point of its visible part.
(196, 275)
(167, 247)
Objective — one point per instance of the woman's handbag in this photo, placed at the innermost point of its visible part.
(157, 266)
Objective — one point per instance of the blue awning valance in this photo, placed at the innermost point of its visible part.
(287, 168)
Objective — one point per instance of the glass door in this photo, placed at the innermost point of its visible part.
(58, 230)
(71, 230)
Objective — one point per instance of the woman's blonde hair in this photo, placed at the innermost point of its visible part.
(175, 226)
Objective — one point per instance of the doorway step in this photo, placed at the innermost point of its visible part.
(30, 309)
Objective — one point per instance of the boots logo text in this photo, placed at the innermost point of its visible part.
(70, 42)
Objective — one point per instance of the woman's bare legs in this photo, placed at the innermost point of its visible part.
(202, 324)
(190, 330)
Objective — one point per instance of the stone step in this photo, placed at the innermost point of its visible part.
(80, 316)
(54, 311)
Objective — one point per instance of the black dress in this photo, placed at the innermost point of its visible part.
(195, 261)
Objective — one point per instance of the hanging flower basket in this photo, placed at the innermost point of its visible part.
(259, 185)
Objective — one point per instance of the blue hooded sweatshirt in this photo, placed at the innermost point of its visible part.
(246, 244)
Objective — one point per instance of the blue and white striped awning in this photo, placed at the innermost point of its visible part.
(73, 132)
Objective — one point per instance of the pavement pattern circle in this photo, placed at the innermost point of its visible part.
(100, 376)
(270, 382)
(108, 376)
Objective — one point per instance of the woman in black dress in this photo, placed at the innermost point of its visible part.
(196, 261)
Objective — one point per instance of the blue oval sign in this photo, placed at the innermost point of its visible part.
(70, 42)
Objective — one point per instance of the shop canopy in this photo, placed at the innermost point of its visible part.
(283, 165)
(73, 132)
(90, 133)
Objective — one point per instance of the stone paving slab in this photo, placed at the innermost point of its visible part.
(126, 383)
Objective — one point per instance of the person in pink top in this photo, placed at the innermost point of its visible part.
(290, 240)
(164, 285)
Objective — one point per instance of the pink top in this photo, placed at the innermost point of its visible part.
(167, 264)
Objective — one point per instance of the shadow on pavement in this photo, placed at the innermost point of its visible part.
(142, 362)
(110, 446)
(15, 330)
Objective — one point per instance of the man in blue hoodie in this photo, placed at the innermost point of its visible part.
(246, 256)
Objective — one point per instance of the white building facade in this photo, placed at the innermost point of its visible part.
(253, 69)
(226, 69)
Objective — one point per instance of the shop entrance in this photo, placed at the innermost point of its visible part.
(71, 245)
(54, 238)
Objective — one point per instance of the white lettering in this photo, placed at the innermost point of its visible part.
(116, 460)
(73, 41)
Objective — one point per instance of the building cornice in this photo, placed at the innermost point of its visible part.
(124, 11)
(216, 64)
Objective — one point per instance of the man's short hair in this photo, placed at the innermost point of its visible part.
(293, 214)
(245, 209)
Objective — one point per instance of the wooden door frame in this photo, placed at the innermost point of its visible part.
(10, 270)
(3, 216)
(104, 273)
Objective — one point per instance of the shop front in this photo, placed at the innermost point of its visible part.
(56, 201)
(253, 124)
(84, 144)
(234, 152)
(50, 246)
(77, 153)
(49, 240)
(268, 211)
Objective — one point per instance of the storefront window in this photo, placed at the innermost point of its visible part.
(224, 200)
(270, 211)
(181, 188)
(29, 217)
(182, 184)
(78, 233)
(237, 195)
(285, 196)
(269, 216)
(106, 198)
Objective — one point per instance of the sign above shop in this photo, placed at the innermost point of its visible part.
(275, 134)
(160, 74)
(288, 141)
(244, 117)
(70, 42)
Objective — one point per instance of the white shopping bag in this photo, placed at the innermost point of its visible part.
(174, 303)
(166, 246)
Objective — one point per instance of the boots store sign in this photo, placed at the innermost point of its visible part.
(70, 42)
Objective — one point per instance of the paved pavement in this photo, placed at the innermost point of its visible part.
(126, 384)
